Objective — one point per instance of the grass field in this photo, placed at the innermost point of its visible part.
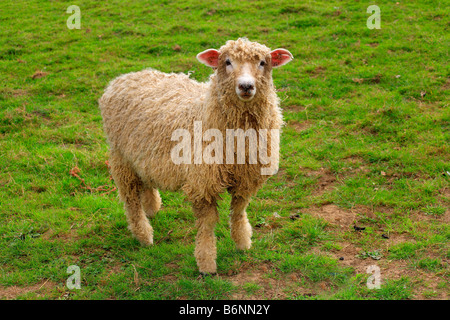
(366, 144)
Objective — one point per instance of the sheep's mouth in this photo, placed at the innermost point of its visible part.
(246, 96)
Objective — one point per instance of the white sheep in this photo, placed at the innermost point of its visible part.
(143, 111)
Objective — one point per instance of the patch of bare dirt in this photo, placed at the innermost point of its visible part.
(325, 180)
(391, 269)
(271, 288)
(114, 268)
(11, 293)
(348, 256)
(446, 85)
(283, 176)
(69, 235)
(42, 114)
(445, 192)
(171, 277)
(426, 284)
(294, 108)
(356, 165)
(396, 238)
(334, 215)
(299, 127)
(420, 215)
(425, 281)
(316, 72)
(39, 74)
(19, 93)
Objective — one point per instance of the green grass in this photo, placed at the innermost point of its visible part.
(367, 109)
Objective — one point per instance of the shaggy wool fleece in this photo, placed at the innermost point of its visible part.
(142, 110)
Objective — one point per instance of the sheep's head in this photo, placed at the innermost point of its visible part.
(244, 68)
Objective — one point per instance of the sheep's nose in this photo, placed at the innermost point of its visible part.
(246, 87)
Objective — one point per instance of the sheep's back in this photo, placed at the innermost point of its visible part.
(140, 112)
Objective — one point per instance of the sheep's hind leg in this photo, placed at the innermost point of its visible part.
(130, 189)
(151, 201)
(205, 242)
(241, 230)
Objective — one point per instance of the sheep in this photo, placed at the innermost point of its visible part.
(142, 110)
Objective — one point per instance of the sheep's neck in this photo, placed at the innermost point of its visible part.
(260, 113)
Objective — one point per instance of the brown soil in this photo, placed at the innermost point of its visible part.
(13, 292)
(299, 127)
(334, 215)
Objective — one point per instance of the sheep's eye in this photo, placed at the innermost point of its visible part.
(262, 63)
(228, 62)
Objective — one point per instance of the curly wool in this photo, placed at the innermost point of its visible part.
(141, 110)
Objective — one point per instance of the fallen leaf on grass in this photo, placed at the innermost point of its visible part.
(375, 79)
(136, 276)
(75, 172)
(39, 74)
(358, 80)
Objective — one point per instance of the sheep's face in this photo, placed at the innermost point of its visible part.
(244, 68)
(245, 75)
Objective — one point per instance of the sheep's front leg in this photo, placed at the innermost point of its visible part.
(205, 243)
(241, 230)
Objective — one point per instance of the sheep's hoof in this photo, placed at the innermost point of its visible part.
(244, 246)
(204, 275)
(146, 242)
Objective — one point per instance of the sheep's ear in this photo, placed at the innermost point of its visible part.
(209, 57)
(280, 57)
